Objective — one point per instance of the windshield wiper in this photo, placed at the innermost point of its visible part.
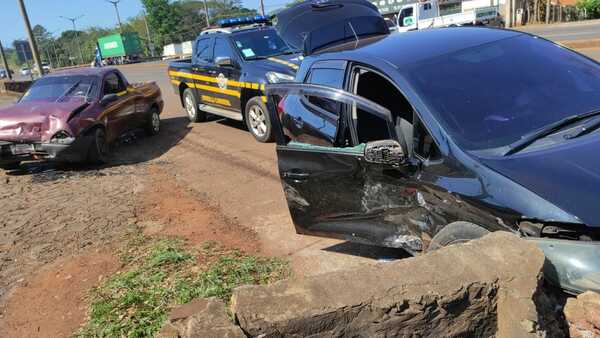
(587, 128)
(68, 91)
(530, 138)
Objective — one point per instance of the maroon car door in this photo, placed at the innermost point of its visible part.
(119, 103)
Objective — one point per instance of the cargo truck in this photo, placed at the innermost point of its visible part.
(120, 48)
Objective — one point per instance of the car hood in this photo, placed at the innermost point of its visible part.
(567, 175)
(30, 121)
(287, 63)
(314, 24)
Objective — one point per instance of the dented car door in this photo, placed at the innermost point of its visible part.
(331, 187)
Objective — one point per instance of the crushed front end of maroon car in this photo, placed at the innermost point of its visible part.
(43, 124)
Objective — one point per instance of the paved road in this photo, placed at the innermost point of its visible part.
(567, 31)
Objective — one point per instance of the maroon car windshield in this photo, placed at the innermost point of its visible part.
(55, 88)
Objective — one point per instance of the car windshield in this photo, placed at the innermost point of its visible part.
(491, 95)
(56, 87)
(260, 44)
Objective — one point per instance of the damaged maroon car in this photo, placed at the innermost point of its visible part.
(73, 116)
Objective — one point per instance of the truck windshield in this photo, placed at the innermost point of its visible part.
(491, 95)
(56, 87)
(260, 44)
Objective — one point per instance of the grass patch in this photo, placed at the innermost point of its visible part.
(160, 275)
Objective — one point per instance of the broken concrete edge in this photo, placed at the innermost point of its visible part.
(583, 315)
(486, 287)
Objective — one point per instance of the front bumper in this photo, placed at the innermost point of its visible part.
(572, 265)
(75, 151)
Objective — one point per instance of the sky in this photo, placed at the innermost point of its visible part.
(96, 13)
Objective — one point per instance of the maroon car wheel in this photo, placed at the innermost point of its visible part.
(152, 126)
(98, 150)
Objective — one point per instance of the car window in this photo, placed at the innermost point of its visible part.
(403, 19)
(113, 84)
(327, 77)
(490, 96)
(222, 49)
(203, 51)
(54, 87)
(260, 44)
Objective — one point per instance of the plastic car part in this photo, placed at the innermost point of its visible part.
(572, 265)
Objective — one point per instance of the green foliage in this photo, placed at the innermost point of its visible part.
(163, 19)
(592, 7)
(136, 301)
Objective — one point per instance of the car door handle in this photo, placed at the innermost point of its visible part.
(212, 72)
(296, 175)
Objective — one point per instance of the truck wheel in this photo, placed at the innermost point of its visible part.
(258, 120)
(455, 233)
(152, 126)
(191, 106)
(98, 151)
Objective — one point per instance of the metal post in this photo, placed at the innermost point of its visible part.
(5, 61)
(76, 34)
(206, 13)
(150, 44)
(116, 4)
(547, 11)
(32, 44)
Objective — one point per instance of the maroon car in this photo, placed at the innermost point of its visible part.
(74, 115)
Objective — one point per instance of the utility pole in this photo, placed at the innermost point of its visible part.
(32, 44)
(150, 44)
(206, 14)
(116, 4)
(76, 33)
(262, 7)
(547, 11)
(5, 61)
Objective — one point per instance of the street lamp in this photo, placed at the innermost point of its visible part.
(76, 33)
(116, 4)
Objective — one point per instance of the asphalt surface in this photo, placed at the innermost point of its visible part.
(586, 30)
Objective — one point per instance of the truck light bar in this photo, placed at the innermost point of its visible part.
(243, 20)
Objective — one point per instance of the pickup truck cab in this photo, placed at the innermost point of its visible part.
(434, 14)
(228, 71)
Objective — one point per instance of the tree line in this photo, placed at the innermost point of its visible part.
(168, 22)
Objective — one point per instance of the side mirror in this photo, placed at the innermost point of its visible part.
(384, 152)
(108, 99)
(224, 61)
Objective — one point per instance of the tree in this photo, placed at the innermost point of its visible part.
(164, 20)
(591, 7)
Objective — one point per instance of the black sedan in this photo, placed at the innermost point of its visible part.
(424, 139)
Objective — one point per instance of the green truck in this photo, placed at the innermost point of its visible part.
(120, 48)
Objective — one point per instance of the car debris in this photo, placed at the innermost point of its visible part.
(73, 116)
(431, 138)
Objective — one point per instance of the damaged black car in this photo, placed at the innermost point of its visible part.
(426, 139)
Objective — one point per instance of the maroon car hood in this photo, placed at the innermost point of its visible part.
(31, 121)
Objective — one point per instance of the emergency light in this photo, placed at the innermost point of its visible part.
(243, 20)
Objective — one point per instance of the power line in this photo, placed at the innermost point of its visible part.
(73, 20)
(116, 4)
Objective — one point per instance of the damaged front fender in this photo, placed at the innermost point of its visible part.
(572, 265)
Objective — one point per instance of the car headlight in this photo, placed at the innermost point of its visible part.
(275, 77)
(62, 137)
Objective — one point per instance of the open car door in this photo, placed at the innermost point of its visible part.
(315, 24)
(335, 187)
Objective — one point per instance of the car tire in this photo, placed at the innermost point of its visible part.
(10, 165)
(456, 233)
(258, 120)
(152, 126)
(191, 106)
(98, 151)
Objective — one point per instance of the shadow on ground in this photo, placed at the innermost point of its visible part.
(132, 148)
(368, 251)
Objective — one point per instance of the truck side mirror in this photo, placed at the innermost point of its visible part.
(384, 152)
(224, 61)
(108, 99)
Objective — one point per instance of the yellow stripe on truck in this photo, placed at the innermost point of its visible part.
(211, 99)
(283, 62)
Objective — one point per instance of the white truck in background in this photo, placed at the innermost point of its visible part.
(434, 13)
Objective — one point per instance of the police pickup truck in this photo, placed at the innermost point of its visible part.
(229, 68)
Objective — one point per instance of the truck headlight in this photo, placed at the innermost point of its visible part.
(62, 137)
(275, 77)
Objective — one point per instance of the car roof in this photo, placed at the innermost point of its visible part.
(97, 71)
(399, 49)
